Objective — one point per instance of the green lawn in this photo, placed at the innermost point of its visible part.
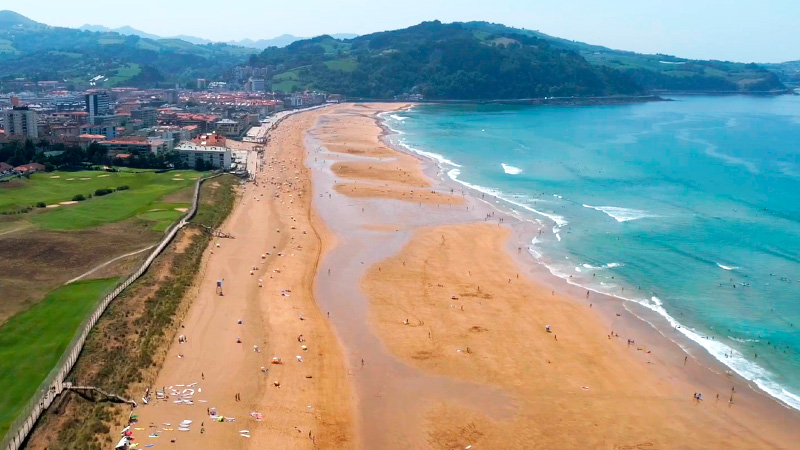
(123, 74)
(343, 65)
(147, 188)
(32, 342)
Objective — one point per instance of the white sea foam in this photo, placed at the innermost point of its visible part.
(511, 170)
(726, 354)
(605, 266)
(454, 173)
(621, 214)
(722, 352)
(435, 156)
(722, 266)
(396, 117)
(743, 340)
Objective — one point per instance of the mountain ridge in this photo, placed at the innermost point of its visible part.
(469, 59)
(261, 44)
(33, 50)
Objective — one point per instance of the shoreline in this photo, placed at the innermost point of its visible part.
(372, 232)
(616, 312)
(638, 313)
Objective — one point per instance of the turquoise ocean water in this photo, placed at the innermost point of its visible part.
(689, 207)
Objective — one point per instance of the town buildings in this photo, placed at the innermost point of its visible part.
(21, 121)
(148, 115)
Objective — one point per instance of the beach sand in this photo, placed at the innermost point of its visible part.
(312, 408)
(454, 351)
(379, 256)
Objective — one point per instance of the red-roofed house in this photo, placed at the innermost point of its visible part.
(29, 168)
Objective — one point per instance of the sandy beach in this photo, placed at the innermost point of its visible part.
(226, 362)
(424, 324)
(442, 316)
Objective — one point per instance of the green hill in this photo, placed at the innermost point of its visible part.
(41, 52)
(441, 61)
(480, 60)
(662, 72)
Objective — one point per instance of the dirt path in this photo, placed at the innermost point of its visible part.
(100, 266)
(311, 407)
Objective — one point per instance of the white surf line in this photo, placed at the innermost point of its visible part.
(96, 268)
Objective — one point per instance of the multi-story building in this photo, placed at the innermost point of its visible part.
(98, 104)
(21, 121)
(148, 115)
(171, 96)
(256, 85)
(212, 156)
(229, 127)
(132, 147)
(107, 130)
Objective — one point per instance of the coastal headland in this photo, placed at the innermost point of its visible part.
(400, 312)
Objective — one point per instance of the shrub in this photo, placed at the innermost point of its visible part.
(102, 192)
(123, 188)
(40, 204)
(78, 198)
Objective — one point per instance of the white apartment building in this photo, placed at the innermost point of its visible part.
(218, 157)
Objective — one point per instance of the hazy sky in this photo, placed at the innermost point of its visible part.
(737, 30)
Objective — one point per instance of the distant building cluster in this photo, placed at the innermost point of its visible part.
(193, 123)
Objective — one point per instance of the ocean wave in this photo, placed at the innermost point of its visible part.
(435, 156)
(621, 214)
(723, 353)
(722, 266)
(743, 340)
(511, 170)
(396, 117)
(604, 266)
(454, 173)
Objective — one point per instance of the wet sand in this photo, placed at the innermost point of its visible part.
(448, 315)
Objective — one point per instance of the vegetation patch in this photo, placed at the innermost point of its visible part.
(33, 341)
(126, 347)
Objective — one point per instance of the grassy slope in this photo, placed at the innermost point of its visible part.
(32, 342)
(128, 339)
(146, 188)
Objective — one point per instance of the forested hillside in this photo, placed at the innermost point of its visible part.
(40, 52)
(479, 60)
(441, 61)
